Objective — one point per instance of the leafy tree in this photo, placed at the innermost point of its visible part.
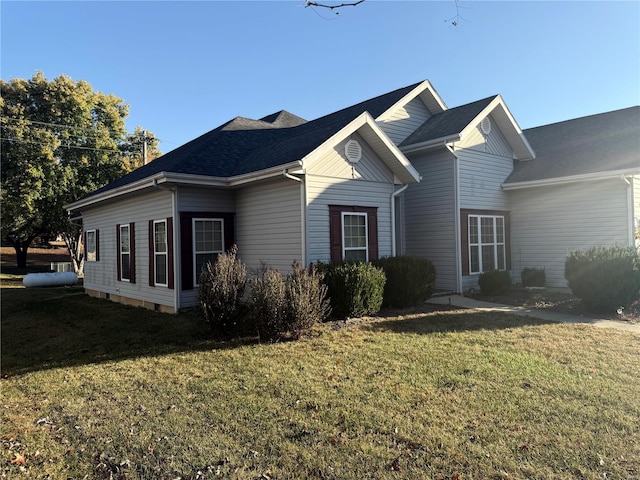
(60, 141)
(134, 146)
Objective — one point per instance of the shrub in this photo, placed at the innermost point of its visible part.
(496, 282)
(533, 277)
(604, 278)
(289, 305)
(355, 289)
(410, 280)
(221, 292)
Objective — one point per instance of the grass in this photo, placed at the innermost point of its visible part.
(93, 389)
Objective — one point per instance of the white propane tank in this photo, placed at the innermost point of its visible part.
(55, 279)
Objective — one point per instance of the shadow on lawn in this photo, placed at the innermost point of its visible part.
(63, 327)
(442, 319)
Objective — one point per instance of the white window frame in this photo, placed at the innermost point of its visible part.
(345, 249)
(495, 243)
(92, 255)
(127, 253)
(157, 254)
(196, 273)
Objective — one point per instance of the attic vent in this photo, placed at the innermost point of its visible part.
(353, 151)
(485, 126)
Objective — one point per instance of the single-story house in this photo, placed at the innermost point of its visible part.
(400, 173)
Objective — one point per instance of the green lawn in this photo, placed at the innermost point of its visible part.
(92, 389)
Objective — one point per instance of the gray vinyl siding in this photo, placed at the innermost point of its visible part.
(405, 120)
(101, 276)
(481, 176)
(205, 199)
(493, 143)
(547, 223)
(335, 164)
(325, 191)
(200, 199)
(429, 216)
(481, 179)
(269, 225)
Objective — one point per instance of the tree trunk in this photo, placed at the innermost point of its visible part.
(21, 248)
(74, 244)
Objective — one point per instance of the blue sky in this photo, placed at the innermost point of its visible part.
(186, 67)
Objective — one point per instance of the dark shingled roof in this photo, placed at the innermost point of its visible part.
(594, 144)
(244, 145)
(450, 122)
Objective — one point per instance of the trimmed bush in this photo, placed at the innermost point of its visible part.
(496, 282)
(604, 278)
(533, 277)
(221, 292)
(355, 289)
(288, 306)
(410, 280)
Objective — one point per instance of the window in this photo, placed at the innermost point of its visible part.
(208, 242)
(487, 243)
(91, 245)
(353, 233)
(125, 253)
(354, 237)
(160, 253)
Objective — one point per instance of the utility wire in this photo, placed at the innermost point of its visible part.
(63, 146)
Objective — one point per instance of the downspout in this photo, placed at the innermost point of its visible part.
(393, 218)
(456, 209)
(303, 223)
(630, 219)
(177, 285)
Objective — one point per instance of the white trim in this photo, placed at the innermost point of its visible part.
(196, 274)
(569, 179)
(479, 244)
(416, 92)
(128, 253)
(366, 234)
(95, 246)
(165, 253)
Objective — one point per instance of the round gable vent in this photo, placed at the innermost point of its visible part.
(353, 151)
(485, 125)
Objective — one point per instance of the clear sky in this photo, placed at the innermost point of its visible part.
(187, 67)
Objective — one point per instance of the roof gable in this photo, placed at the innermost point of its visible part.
(587, 146)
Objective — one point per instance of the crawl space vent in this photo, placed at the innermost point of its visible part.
(353, 151)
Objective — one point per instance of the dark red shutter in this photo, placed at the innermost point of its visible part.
(170, 253)
(372, 221)
(132, 252)
(97, 245)
(186, 245)
(335, 232)
(152, 263)
(118, 252)
(229, 235)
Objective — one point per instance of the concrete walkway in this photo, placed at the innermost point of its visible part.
(465, 302)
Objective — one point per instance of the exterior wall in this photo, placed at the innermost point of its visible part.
(481, 176)
(547, 223)
(332, 180)
(636, 208)
(269, 224)
(405, 120)
(101, 277)
(198, 199)
(429, 215)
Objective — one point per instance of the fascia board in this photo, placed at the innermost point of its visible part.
(426, 85)
(263, 174)
(115, 192)
(356, 124)
(436, 142)
(570, 179)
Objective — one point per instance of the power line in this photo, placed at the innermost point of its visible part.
(93, 129)
(13, 140)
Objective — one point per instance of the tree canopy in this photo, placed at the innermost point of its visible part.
(60, 141)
